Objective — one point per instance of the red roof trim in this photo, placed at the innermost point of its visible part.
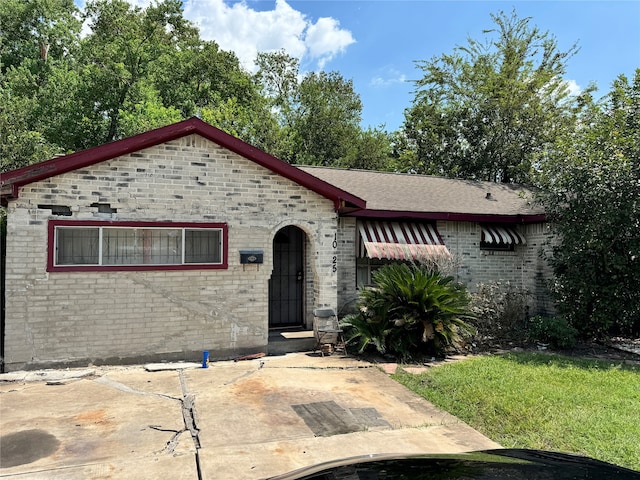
(56, 166)
(453, 217)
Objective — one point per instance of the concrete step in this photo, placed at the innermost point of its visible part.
(288, 341)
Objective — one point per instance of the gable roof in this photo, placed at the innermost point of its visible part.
(395, 195)
(10, 182)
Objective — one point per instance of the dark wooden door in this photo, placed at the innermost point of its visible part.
(286, 285)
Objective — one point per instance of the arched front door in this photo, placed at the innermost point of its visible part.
(286, 286)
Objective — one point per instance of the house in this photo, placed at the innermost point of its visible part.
(492, 232)
(184, 239)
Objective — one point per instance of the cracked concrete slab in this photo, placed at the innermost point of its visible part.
(97, 428)
(257, 431)
(231, 420)
(59, 376)
(264, 460)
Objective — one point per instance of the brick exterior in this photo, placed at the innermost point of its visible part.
(524, 268)
(79, 317)
(58, 318)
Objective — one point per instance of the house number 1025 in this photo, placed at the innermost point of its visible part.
(334, 261)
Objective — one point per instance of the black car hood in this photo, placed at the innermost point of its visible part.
(483, 465)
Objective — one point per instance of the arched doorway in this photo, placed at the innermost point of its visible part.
(286, 285)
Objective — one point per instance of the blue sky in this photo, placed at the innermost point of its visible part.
(375, 43)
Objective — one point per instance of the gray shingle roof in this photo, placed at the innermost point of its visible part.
(394, 192)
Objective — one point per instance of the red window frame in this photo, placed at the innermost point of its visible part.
(51, 246)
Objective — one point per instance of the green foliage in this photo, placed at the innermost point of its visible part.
(37, 31)
(325, 119)
(490, 109)
(363, 330)
(145, 113)
(372, 151)
(553, 330)
(542, 401)
(120, 54)
(38, 40)
(410, 309)
(140, 68)
(319, 116)
(137, 69)
(500, 311)
(592, 193)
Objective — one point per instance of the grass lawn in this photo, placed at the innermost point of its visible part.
(542, 401)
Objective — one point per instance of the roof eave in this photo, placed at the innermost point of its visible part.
(450, 216)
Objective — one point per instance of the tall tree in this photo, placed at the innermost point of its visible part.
(373, 151)
(592, 182)
(278, 75)
(119, 55)
(38, 40)
(318, 114)
(198, 74)
(34, 31)
(326, 119)
(491, 108)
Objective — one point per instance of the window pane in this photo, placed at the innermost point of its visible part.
(120, 247)
(162, 247)
(133, 246)
(77, 246)
(203, 246)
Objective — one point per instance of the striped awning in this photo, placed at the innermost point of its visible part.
(502, 234)
(400, 241)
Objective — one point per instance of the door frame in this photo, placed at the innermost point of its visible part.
(301, 289)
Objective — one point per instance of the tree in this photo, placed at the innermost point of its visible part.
(319, 114)
(197, 74)
(372, 151)
(119, 54)
(592, 182)
(39, 40)
(34, 31)
(142, 68)
(278, 75)
(490, 109)
(326, 119)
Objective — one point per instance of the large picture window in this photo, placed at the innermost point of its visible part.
(78, 245)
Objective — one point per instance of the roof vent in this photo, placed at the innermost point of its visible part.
(488, 196)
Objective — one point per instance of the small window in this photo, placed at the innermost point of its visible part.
(500, 238)
(497, 247)
(203, 246)
(366, 267)
(136, 246)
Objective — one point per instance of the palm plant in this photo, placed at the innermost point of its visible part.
(361, 330)
(413, 305)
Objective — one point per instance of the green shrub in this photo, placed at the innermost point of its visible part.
(555, 331)
(410, 310)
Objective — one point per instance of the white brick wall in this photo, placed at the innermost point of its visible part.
(76, 317)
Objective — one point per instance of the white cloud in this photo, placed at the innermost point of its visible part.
(574, 88)
(387, 76)
(246, 31)
(325, 39)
